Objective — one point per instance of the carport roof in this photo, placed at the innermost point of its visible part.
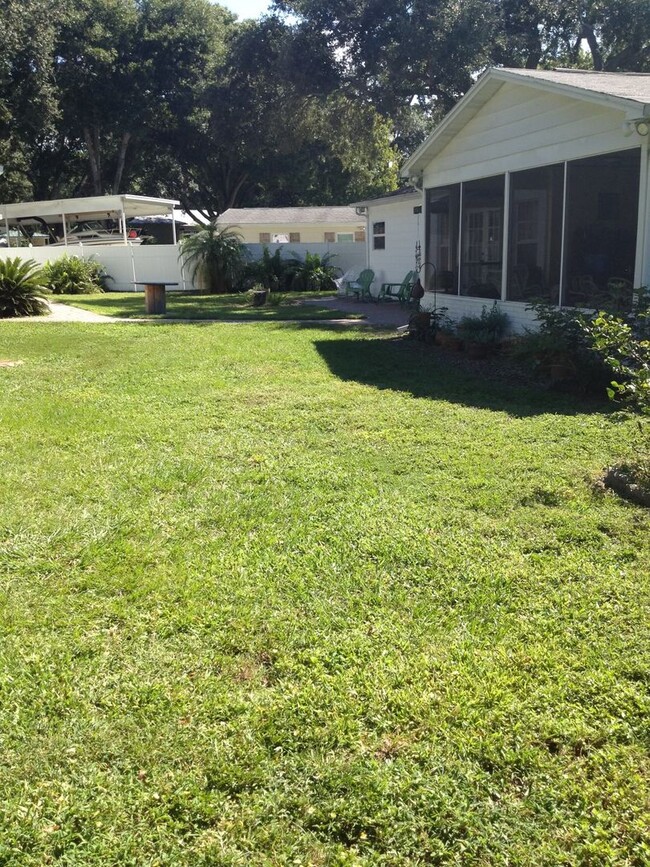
(88, 208)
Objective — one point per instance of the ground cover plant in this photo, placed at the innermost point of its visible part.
(281, 594)
(188, 305)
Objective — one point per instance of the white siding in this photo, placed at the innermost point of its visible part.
(522, 127)
(403, 229)
(462, 305)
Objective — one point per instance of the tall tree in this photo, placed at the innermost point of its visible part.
(28, 98)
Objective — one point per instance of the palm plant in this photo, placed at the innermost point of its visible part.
(314, 273)
(21, 288)
(216, 256)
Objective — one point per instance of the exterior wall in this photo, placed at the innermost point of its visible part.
(462, 305)
(403, 228)
(521, 128)
(310, 233)
(160, 263)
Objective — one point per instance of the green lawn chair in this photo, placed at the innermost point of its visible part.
(360, 287)
(398, 291)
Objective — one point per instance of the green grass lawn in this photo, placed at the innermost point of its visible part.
(285, 595)
(184, 305)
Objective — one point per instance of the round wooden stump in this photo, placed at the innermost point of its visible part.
(155, 300)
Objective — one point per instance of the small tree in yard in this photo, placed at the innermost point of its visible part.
(625, 348)
(214, 255)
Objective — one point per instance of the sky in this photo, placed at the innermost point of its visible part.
(246, 8)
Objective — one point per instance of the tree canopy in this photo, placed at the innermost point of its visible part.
(313, 104)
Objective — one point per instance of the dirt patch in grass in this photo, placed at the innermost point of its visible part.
(625, 481)
(5, 362)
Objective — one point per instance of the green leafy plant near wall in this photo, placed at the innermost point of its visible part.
(624, 346)
(21, 288)
(215, 257)
(314, 273)
(71, 275)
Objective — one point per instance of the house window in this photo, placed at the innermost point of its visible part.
(280, 238)
(601, 229)
(345, 237)
(482, 238)
(535, 242)
(294, 237)
(379, 236)
(330, 237)
(265, 237)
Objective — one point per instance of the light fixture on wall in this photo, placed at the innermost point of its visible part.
(638, 125)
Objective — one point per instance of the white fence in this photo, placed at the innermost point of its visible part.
(160, 263)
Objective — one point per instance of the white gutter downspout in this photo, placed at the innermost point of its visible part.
(560, 299)
(173, 226)
(65, 230)
(7, 231)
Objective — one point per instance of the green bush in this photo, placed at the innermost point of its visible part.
(271, 271)
(560, 350)
(314, 273)
(624, 346)
(21, 288)
(488, 329)
(70, 275)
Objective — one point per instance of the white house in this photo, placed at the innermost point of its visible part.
(535, 186)
(394, 224)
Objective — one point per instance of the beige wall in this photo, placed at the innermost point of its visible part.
(309, 232)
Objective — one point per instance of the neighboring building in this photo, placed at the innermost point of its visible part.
(328, 225)
(536, 186)
(394, 226)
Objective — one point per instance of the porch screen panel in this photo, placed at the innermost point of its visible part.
(443, 212)
(482, 238)
(535, 234)
(601, 227)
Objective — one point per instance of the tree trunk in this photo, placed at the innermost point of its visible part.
(590, 36)
(121, 160)
(91, 137)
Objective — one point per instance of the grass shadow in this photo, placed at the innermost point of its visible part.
(431, 373)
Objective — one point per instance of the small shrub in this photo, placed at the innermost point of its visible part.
(314, 273)
(21, 288)
(70, 275)
(271, 271)
(624, 346)
(560, 349)
(488, 329)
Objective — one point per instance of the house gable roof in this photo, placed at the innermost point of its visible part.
(629, 92)
(268, 216)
